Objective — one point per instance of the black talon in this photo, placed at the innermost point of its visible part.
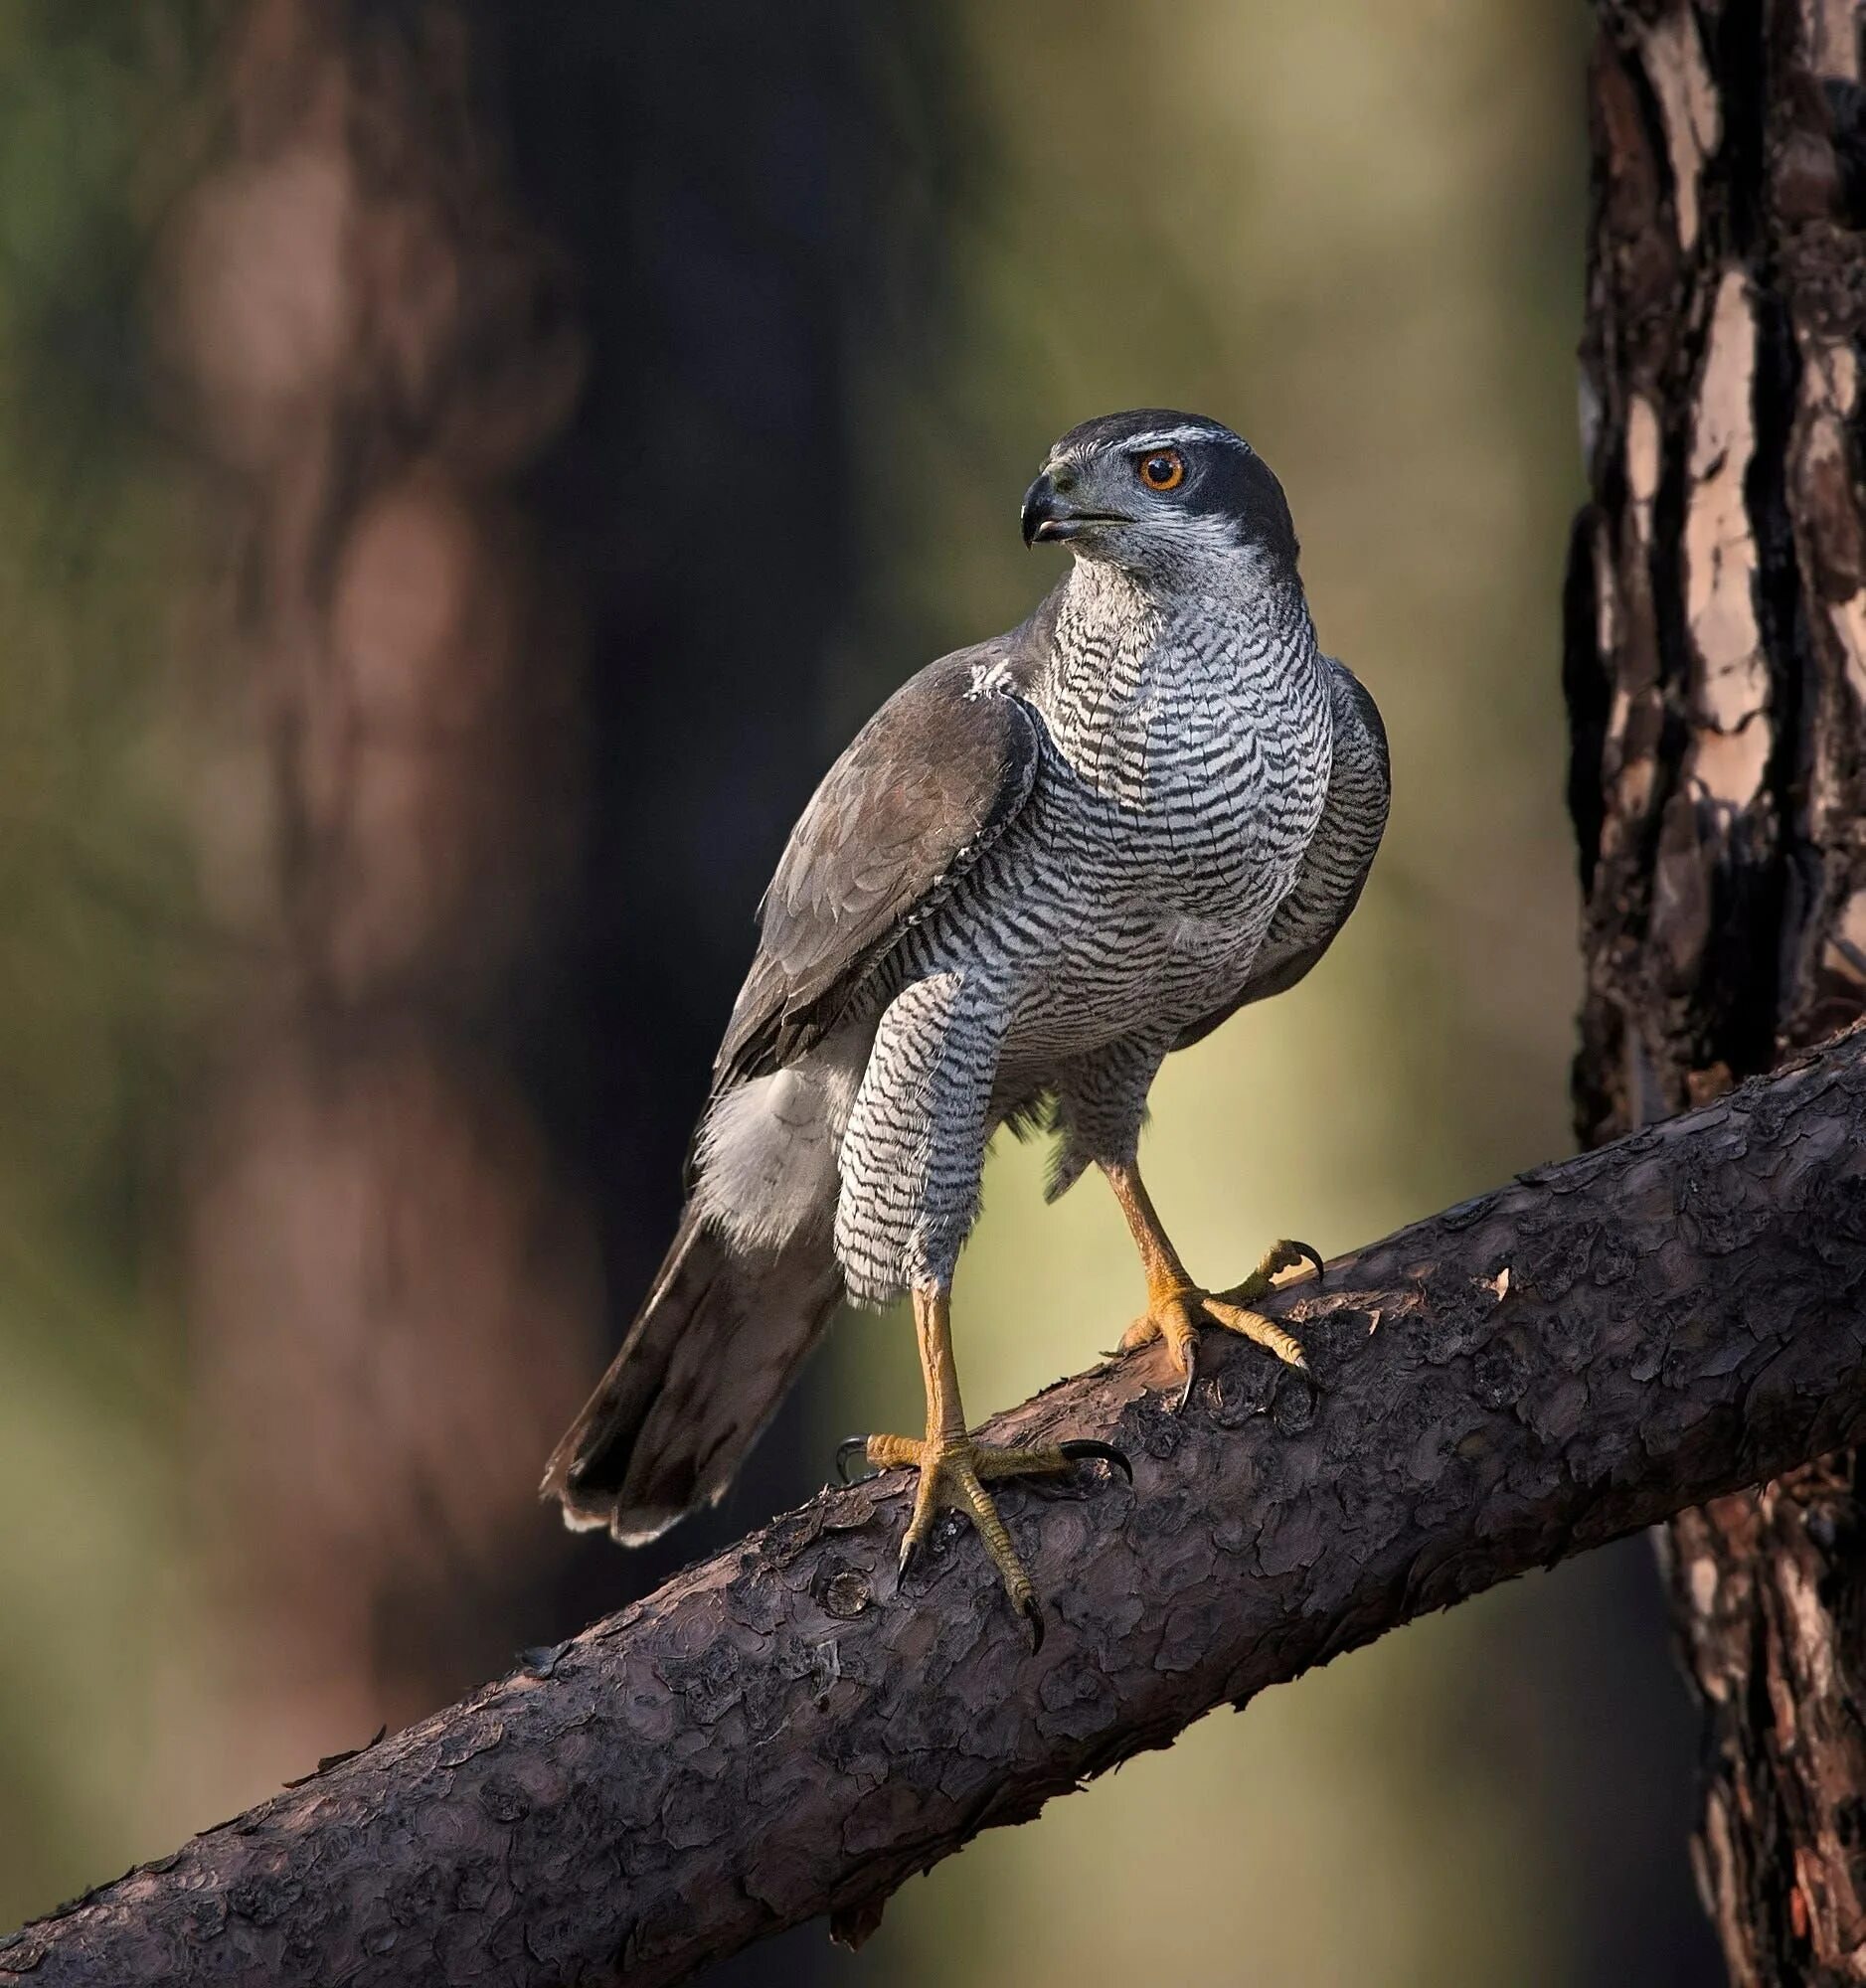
(1032, 1612)
(1192, 1377)
(910, 1553)
(844, 1450)
(1304, 1250)
(1081, 1446)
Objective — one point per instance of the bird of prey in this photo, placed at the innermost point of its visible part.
(1043, 864)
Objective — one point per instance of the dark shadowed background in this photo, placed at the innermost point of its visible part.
(464, 469)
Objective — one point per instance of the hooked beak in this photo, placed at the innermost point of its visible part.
(1049, 517)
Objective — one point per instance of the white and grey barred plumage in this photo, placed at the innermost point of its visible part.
(1045, 863)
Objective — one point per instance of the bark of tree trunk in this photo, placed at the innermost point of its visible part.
(1715, 660)
(787, 1730)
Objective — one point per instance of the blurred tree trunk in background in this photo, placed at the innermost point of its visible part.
(522, 370)
(391, 1284)
(1716, 676)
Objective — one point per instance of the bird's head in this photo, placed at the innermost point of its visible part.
(1159, 493)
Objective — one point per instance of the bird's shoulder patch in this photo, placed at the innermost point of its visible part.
(993, 679)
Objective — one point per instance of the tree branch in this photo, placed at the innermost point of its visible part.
(778, 1732)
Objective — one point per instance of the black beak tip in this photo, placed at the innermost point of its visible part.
(1040, 509)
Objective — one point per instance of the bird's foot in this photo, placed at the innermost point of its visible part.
(954, 1473)
(1175, 1312)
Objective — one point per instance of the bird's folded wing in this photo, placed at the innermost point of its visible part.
(925, 787)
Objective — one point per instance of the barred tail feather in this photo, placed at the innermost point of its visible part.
(704, 1366)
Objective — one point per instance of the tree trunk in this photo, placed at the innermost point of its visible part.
(1716, 676)
(389, 1282)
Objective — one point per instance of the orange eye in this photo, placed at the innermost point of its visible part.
(1164, 469)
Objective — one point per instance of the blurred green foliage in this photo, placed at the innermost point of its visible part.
(94, 903)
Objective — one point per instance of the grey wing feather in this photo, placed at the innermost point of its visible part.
(1338, 858)
(925, 788)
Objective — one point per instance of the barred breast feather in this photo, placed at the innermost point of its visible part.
(1338, 858)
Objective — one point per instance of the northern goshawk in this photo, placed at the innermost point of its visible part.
(1043, 864)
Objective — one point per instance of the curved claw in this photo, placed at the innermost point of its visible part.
(844, 1450)
(1302, 1249)
(910, 1553)
(1079, 1450)
(1192, 1377)
(1032, 1612)
(1081, 1446)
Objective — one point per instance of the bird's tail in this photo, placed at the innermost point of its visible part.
(709, 1356)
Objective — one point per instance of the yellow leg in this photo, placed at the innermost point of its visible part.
(1176, 1306)
(955, 1470)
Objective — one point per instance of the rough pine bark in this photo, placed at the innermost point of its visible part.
(792, 1729)
(1716, 676)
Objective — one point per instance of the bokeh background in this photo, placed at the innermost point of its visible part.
(464, 469)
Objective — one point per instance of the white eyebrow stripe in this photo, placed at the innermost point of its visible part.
(1168, 437)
